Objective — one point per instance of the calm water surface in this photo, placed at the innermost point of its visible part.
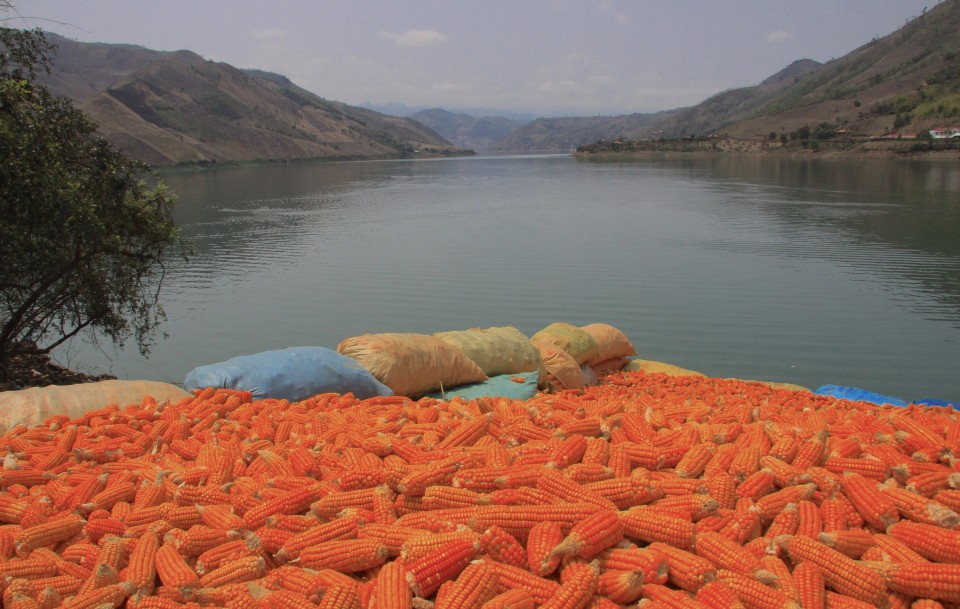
(806, 271)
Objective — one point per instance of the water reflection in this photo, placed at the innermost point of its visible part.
(810, 271)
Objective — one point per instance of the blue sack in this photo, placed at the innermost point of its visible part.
(294, 374)
(496, 386)
(858, 395)
(933, 402)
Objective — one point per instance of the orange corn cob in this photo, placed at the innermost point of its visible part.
(425, 542)
(810, 452)
(340, 596)
(841, 572)
(555, 482)
(751, 592)
(920, 509)
(293, 502)
(427, 573)
(511, 577)
(718, 595)
(543, 538)
(142, 567)
(725, 553)
(876, 508)
(238, 570)
(337, 529)
(47, 533)
(579, 582)
(391, 590)
(621, 587)
(345, 555)
(927, 580)
(517, 598)
(591, 535)
(757, 484)
(519, 519)
(568, 452)
(476, 584)
(664, 597)
(931, 542)
(685, 570)
(851, 542)
(652, 563)
(63, 585)
(644, 525)
(772, 504)
(810, 583)
(173, 569)
(809, 523)
(625, 493)
(108, 596)
(503, 547)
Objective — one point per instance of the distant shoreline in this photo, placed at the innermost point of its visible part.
(905, 149)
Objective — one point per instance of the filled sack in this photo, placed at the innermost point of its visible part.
(32, 406)
(293, 374)
(412, 364)
(563, 372)
(498, 350)
(576, 342)
(612, 344)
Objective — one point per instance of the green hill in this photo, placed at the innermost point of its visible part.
(176, 107)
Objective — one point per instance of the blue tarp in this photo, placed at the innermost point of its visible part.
(495, 386)
(859, 395)
(933, 402)
(291, 374)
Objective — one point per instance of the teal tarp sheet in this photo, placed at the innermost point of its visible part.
(495, 386)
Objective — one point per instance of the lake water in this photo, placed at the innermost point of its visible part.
(809, 271)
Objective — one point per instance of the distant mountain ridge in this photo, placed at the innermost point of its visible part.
(906, 82)
(475, 133)
(167, 107)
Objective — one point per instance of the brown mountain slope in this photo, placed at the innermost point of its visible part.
(177, 107)
(908, 81)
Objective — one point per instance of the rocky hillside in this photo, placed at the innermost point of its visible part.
(906, 82)
(177, 107)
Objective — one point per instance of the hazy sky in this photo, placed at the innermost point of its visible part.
(544, 57)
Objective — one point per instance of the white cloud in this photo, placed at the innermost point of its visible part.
(416, 38)
(779, 36)
(269, 34)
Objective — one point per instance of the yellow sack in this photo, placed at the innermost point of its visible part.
(611, 342)
(503, 350)
(411, 364)
(651, 366)
(31, 407)
(576, 342)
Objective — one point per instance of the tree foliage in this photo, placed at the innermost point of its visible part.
(83, 237)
